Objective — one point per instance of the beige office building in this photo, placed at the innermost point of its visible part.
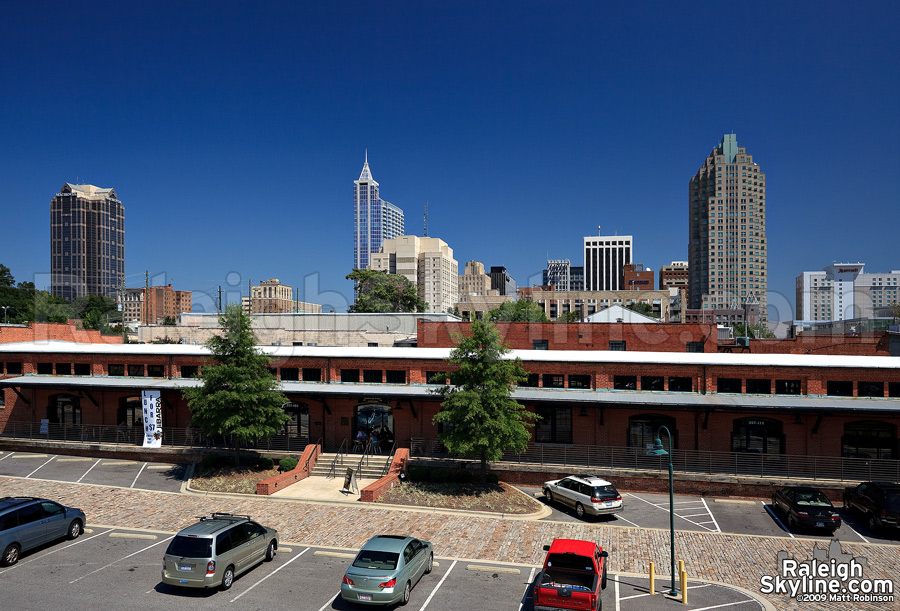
(727, 253)
(273, 297)
(426, 262)
(474, 281)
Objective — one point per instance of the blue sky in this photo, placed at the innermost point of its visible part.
(233, 131)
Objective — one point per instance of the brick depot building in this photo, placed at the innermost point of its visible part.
(788, 404)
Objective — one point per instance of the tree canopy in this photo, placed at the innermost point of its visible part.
(642, 308)
(379, 292)
(239, 398)
(478, 416)
(519, 311)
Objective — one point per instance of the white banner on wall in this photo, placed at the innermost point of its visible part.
(152, 418)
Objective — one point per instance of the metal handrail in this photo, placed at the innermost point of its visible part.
(390, 459)
(365, 456)
(339, 457)
(313, 454)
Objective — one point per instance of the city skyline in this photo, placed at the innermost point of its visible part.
(236, 139)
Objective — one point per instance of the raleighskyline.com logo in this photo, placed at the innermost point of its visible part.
(829, 576)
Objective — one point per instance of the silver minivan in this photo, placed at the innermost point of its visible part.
(212, 552)
(27, 522)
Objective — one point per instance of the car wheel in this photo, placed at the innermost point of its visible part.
(548, 495)
(430, 565)
(603, 580)
(10, 555)
(270, 551)
(405, 598)
(227, 577)
(75, 529)
(579, 510)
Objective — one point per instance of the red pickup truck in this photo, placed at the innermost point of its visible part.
(574, 576)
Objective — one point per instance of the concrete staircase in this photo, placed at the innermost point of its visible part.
(372, 470)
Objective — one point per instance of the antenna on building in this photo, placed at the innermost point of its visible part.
(426, 219)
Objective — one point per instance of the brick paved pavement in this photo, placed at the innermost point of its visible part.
(733, 559)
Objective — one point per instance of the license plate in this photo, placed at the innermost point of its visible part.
(182, 581)
(184, 567)
(608, 503)
(820, 524)
(365, 597)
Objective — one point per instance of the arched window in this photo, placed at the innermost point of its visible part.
(64, 409)
(757, 435)
(129, 411)
(869, 439)
(644, 429)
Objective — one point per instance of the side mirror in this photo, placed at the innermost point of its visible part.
(604, 554)
(546, 548)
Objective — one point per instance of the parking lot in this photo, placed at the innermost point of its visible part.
(740, 516)
(120, 568)
(102, 471)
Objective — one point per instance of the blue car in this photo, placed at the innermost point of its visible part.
(28, 522)
(386, 569)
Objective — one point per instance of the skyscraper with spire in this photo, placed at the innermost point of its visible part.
(727, 250)
(374, 220)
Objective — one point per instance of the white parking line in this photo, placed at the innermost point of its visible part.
(8, 454)
(88, 471)
(666, 509)
(777, 521)
(269, 575)
(121, 559)
(58, 549)
(712, 517)
(616, 590)
(527, 585)
(619, 517)
(138, 475)
(855, 532)
(39, 468)
(742, 602)
(330, 602)
(430, 596)
(690, 587)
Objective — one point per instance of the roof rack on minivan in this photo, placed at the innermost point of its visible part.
(218, 515)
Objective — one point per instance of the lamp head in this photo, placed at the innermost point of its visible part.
(657, 448)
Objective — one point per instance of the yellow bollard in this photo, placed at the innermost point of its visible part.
(652, 578)
(680, 567)
(684, 587)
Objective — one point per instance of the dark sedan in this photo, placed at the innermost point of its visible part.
(807, 507)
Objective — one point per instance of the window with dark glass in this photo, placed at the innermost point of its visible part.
(14, 368)
(540, 344)
(136, 371)
(82, 369)
(839, 388)
(63, 369)
(618, 345)
(579, 381)
(625, 382)
(869, 439)
(64, 409)
(189, 371)
(554, 380)
(728, 385)
(130, 410)
(312, 374)
(372, 376)
(870, 389)
(435, 377)
(695, 346)
(45, 369)
(759, 386)
(290, 374)
(643, 430)
(757, 436)
(680, 384)
(532, 381)
(652, 383)
(156, 371)
(894, 389)
(115, 370)
(273, 371)
(395, 376)
(349, 375)
(554, 425)
(787, 387)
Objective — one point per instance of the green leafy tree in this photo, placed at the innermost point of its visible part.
(6, 277)
(48, 308)
(570, 316)
(894, 309)
(519, 311)
(641, 308)
(378, 291)
(479, 417)
(93, 310)
(757, 331)
(239, 399)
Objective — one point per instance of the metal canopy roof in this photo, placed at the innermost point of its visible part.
(596, 398)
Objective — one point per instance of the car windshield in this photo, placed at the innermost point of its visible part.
(816, 499)
(373, 559)
(604, 491)
(190, 547)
